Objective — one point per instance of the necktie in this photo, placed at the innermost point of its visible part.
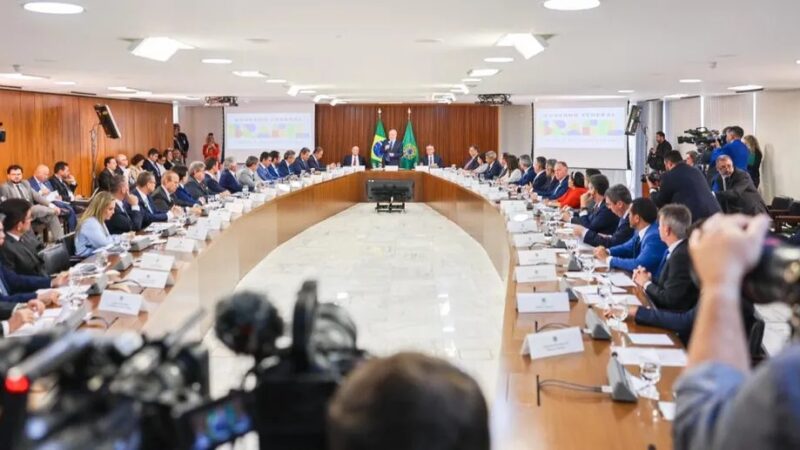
(662, 263)
(146, 202)
(21, 194)
(3, 287)
(355, 162)
(724, 184)
(430, 160)
(637, 245)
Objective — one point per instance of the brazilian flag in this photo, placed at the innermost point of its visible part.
(410, 151)
(377, 144)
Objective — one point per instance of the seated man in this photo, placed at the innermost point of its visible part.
(40, 183)
(285, 166)
(16, 288)
(227, 179)
(164, 198)
(195, 184)
(14, 316)
(472, 163)
(247, 177)
(300, 164)
(618, 200)
(737, 193)
(354, 159)
(408, 401)
(645, 248)
(560, 182)
(108, 172)
(528, 174)
(431, 159)
(151, 164)
(264, 163)
(20, 250)
(182, 196)
(315, 160)
(575, 192)
(211, 179)
(64, 182)
(599, 219)
(275, 157)
(549, 183)
(493, 168)
(145, 185)
(128, 214)
(43, 211)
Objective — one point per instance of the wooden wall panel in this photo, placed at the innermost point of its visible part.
(45, 128)
(450, 128)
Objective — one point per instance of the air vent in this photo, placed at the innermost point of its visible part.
(5, 86)
(90, 94)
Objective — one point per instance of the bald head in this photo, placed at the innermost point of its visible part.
(392, 134)
(355, 150)
(42, 173)
(122, 160)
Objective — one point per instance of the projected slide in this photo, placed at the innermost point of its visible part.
(261, 131)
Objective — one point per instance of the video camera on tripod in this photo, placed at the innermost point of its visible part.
(701, 137)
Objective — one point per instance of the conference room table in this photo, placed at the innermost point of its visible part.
(560, 419)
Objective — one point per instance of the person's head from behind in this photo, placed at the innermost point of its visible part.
(725, 165)
(110, 163)
(660, 136)
(577, 180)
(119, 187)
(643, 213)
(561, 170)
(212, 165)
(17, 214)
(474, 151)
(146, 183)
(672, 158)
(289, 156)
(691, 158)
(733, 133)
(673, 223)
(101, 208)
(618, 199)
(598, 185)
(408, 401)
(592, 172)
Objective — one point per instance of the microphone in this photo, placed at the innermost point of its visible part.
(597, 327)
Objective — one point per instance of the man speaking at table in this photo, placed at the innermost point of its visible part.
(392, 149)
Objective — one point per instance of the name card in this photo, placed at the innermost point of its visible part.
(526, 226)
(120, 303)
(391, 168)
(537, 257)
(210, 223)
(235, 207)
(553, 343)
(512, 206)
(535, 274)
(594, 299)
(283, 188)
(621, 280)
(528, 302)
(258, 197)
(221, 214)
(149, 278)
(156, 261)
(528, 239)
(360, 168)
(421, 168)
(182, 245)
(197, 232)
(295, 185)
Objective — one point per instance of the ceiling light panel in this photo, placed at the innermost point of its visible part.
(571, 5)
(481, 73)
(53, 8)
(526, 44)
(158, 48)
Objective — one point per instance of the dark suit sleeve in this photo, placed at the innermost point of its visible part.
(23, 286)
(159, 203)
(664, 194)
(678, 292)
(679, 322)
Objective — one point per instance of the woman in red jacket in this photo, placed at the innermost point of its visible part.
(211, 148)
(571, 198)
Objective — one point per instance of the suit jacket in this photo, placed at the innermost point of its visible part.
(150, 213)
(66, 191)
(686, 185)
(547, 186)
(299, 166)
(182, 197)
(600, 220)
(196, 189)
(125, 219)
(646, 252)
(9, 190)
(162, 200)
(348, 161)
(738, 152)
(181, 142)
(674, 289)
(228, 181)
(392, 153)
(314, 164)
(559, 188)
(738, 194)
(153, 168)
(22, 256)
(436, 160)
(620, 236)
(247, 178)
(213, 185)
(273, 171)
(471, 164)
(493, 171)
(20, 288)
(264, 173)
(37, 186)
(526, 178)
(540, 181)
(284, 169)
(104, 180)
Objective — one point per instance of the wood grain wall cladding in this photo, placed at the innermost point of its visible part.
(449, 128)
(45, 128)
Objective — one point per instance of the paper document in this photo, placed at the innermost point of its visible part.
(667, 357)
(650, 339)
(621, 280)
(593, 289)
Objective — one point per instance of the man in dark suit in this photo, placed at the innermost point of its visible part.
(211, 176)
(559, 184)
(285, 166)
(179, 140)
(674, 290)
(550, 182)
(599, 218)
(182, 196)
(13, 316)
(150, 164)
(431, 159)
(108, 172)
(145, 185)
(128, 214)
(540, 180)
(315, 160)
(15, 288)
(493, 168)
(300, 164)
(195, 184)
(472, 163)
(63, 181)
(618, 200)
(20, 250)
(392, 149)
(645, 248)
(354, 159)
(264, 164)
(686, 186)
(737, 193)
(528, 174)
(163, 198)
(227, 179)
(655, 158)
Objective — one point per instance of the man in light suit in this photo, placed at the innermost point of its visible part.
(227, 178)
(392, 149)
(264, 165)
(285, 166)
(300, 164)
(598, 218)
(315, 160)
(472, 162)
(43, 211)
(40, 183)
(20, 251)
(493, 168)
(354, 159)
(431, 159)
(248, 176)
(645, 248)
(128, 214)
(737, 193)
(618, 200)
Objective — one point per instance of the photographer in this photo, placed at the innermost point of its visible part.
(734, 148)
(655, 159)
(684, 185)
(720, 405)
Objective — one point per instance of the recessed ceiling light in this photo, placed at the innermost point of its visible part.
(746, 88)
(65, 83)
(53, 8)
(625, 91)
(571, 5)
(798, 61)
(526, 44)
(479, 73)
(158, 48)
(470, 80)
(690, 80)
(676, 96)
(307, 91)
(216, 61)
(121, 89)
(21, 76)
(275, 81)
(249, 74)
(500, 59)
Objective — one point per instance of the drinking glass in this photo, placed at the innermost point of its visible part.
(650, 373)
(619, 311)
(587, 263)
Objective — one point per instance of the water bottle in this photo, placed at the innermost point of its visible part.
(246, 190)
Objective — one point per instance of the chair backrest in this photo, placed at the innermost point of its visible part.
(781, 202)
(69, 243)
(56, 258)
(756, 338)
(794, 209)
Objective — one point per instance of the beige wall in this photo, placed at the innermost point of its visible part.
(197, 122)
(516, 129)
(778, 130)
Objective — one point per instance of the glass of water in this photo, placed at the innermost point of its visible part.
(587, 264)
(619, 311)
(650, 373)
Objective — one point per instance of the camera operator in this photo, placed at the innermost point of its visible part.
(408, 401)
(734, 147)
(720, 404)
(655, 158)
(684, 185)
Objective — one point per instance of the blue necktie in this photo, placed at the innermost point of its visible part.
(662, 263)
(637, 244)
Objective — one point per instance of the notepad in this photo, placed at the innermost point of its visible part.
(650, 339)
(667, 357)
(621, 280)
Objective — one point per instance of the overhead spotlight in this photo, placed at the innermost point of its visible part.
(158, 48)
(481, 73)
(249, 74)
(53, 8)
(571, 5)
(526, 44)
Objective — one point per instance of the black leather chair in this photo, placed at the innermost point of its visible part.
(56, 258)
(756, 340)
